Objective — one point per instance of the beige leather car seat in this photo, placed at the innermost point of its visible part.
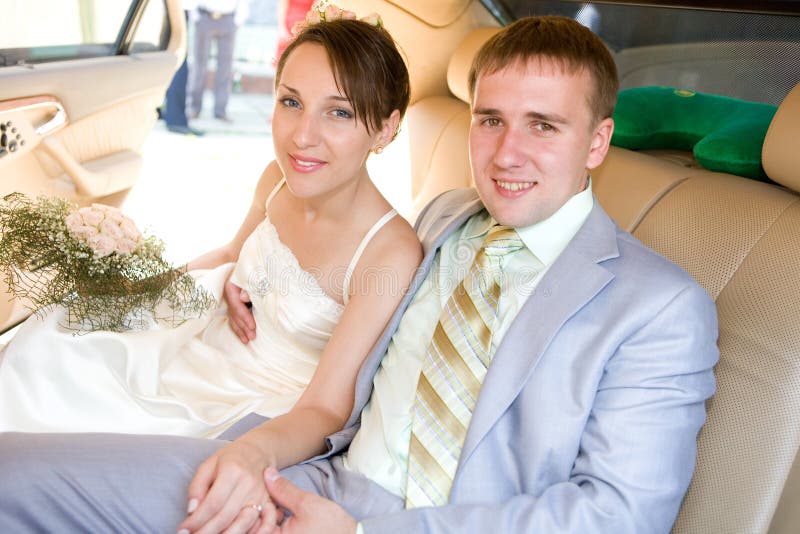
(741, 240)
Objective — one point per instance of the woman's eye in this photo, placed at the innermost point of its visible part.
(343, 113)
(290, 102)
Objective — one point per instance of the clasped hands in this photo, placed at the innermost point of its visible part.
(234, 492)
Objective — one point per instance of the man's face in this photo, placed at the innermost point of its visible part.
(533, 140)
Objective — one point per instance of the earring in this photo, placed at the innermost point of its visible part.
(378, 149)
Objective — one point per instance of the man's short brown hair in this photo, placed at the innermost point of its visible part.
(366, 64)
(559, 39)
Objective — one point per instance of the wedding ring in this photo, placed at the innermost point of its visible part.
(257, 507)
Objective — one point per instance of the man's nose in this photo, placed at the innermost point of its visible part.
(509, 150)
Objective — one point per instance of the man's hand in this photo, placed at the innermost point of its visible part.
(227, 490)
(239, 315)
(310, 513)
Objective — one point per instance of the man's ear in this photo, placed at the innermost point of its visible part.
(388, 130)
(601, 139)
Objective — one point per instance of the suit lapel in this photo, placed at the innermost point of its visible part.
(570, 283)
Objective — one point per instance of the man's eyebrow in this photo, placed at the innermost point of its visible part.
(544, 117)
(485, 111)
(547, 117)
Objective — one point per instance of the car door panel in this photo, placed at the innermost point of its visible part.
(81, 125)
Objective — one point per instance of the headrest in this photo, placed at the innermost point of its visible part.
(780, 155)
(461, 61)
(439, 13)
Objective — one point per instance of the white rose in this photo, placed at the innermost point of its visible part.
(333, 13)
(84, 232)
(111, 229)
(73, 220)
(91, 217)
(126, 246)
(102, 245)
(129, 229)
(313, 16)
(373, 19)
(115, 215)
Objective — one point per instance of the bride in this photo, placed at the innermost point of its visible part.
(322, 263)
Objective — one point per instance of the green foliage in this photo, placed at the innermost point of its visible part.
(46, 266)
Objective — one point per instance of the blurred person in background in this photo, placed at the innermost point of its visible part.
(174, 111)
(215, 20)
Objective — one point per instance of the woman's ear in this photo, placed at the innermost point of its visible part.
(388, 130)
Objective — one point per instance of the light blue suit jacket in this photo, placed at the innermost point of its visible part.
(588, 417)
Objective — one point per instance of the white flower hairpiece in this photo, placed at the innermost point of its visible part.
(325, 11)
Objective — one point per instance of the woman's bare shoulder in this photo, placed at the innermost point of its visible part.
(270, 177)
(396, 244)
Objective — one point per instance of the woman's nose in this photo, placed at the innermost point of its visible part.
(306, 132)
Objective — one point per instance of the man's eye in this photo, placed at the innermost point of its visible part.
(491, 121)
(545, 127)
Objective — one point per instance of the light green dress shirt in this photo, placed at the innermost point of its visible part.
(379, 450)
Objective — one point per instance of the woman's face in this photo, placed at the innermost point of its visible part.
(319, 144)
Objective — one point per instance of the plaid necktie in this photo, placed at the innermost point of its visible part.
(452, 373)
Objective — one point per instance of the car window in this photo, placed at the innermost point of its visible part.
(36, 31)
(747, 55)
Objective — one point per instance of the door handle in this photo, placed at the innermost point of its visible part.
(55, 122)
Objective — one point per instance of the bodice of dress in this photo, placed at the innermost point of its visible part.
(289, 306)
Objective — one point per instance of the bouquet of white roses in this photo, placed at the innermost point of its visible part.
(95, 263)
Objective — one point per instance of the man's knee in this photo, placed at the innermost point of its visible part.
(96, 482)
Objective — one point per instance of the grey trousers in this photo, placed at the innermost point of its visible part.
(223, 31)
(123, 483)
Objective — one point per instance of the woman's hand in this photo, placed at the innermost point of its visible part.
(227, 491)
(239, 315)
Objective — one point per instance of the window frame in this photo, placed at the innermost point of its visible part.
(504, 16)
(123, 45)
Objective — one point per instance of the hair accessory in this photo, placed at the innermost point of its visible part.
(325, 11)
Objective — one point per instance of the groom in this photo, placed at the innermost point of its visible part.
(558, 388)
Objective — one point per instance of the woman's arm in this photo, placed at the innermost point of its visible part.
(233, 477)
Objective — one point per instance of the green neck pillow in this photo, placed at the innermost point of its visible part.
(725, 134)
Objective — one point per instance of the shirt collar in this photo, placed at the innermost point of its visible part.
(548, 238)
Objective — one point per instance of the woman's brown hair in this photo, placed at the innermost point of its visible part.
(366, 64)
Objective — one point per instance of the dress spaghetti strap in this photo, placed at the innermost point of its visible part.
(272, 195)
(361, 246)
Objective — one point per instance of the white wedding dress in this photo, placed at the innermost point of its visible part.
(193, 380)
